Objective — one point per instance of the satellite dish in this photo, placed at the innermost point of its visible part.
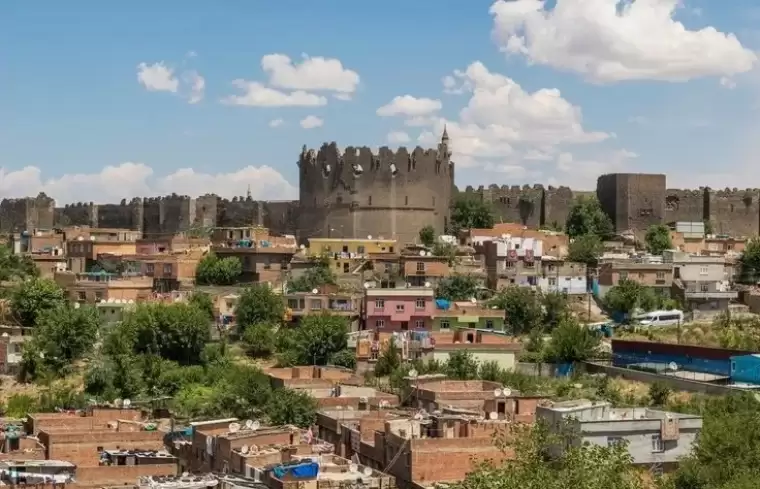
(314, 291)
(367, 472)
(413, 373)
(474, 300)
(366, 285)
(422, 253)
(248, 424)
(427, 284)
(492, 415)
(254, 449)
(353, 468)
(130, 301)
(506, 391)
(102, 301)
(117, 402)
(185, 474)
(126, 403)
(350, 408)
(76, 305)
(369, 236)
(5, 335)
(302, 247)
(673, 366)
(363, 400)
(497, 392)
(244, 449)
(255, 426)
(234, 427)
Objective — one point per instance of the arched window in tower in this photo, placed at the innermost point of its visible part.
(369, 200)
(406, 200)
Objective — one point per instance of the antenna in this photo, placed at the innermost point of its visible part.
(353, 468)
(244, 449)
(234, 427)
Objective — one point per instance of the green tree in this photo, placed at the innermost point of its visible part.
(203, 301)
(61, 336)
(176, 331)
(586, 248)
(318, 275)
(587, 217)
(389, 360)
(427, 235)
(259, 340)
(461, 365)
(749, 262)
(470, 213)
(288, 406)
(571, 342)
(556, 309)
(343, 358)
(580, 466)
(213, 270)
(14, 266)
(659, 393)
(658, 239)
(522, 306)
(258, 304)
(457, 287)
(629, 295)
(316, 339)
(446, 250)
(33, 297)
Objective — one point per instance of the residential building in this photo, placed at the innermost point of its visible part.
(658, 276)
(512, 261)
(423, 270)
(112, 311)
(177, 243)
(87, 243)
(654, 438)
(346, 254)
(554, 243)
(47, 249)
(468, 315)
(260, 263)
(330, 472)
(562, 276)
(311, 377)
(700, 282)
(398, 309)
(12, 339)
(101, 286)
(35, 473)
(300, 304)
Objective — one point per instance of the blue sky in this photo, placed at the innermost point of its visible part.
(625, 91)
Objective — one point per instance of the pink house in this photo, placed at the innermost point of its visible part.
(399, 309)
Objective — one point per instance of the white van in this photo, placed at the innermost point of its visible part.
(660, 318)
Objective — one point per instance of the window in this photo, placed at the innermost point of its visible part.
(369, 200)
(15, 444)
(445, 324)
(360, 250)
(657, 444)
(623, 275)
(293, 304)
(388, 268)
(420, 266)
(489, 324)
(419, 304)
(419, 324)
(552, 281)
(390, 250)
(168, 269)
(98, 296)
(703, 270)
(315, 304)
(704, 287)
(379, 304)
(149, 269)
(660, 275)
(613, 441)
(399, 307)
(81, 296)
(379, 323)
(406, 200)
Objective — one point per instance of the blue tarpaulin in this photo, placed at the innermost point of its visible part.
(442, 304)
(306, 470)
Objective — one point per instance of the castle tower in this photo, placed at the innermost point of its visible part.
(355, 194)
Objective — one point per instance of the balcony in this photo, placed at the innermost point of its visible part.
(727, 294)
(660, 281)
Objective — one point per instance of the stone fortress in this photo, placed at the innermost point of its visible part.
(356, 193)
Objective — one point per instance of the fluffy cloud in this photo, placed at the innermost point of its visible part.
(255, 94)
(160, 77)
(615, 40)
(408, 106)
(317, 73)
(311, 122)
(398, 137)
(157, 77)
(276, 122)
(128, 180)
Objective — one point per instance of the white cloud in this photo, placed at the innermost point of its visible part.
(408, 106)
(276, 122)
(197, 86)
(255, 94)
(160, 77)
(728, 83)
(317, 73)
(138, 179)
(398, 137)
(614, 40)
(342, 96)
(311, 122)
(157, 77)
(582, 173)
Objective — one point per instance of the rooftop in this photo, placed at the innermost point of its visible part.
(592, 411)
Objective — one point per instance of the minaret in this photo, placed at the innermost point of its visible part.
(444, 152)
(248, 192)
(445, 137)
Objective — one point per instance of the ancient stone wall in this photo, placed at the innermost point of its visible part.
(27, 213)
(356, 193)
(634, 201)
(734, 211)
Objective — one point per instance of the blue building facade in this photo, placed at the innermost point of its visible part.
(716, 361)
(745, 369)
